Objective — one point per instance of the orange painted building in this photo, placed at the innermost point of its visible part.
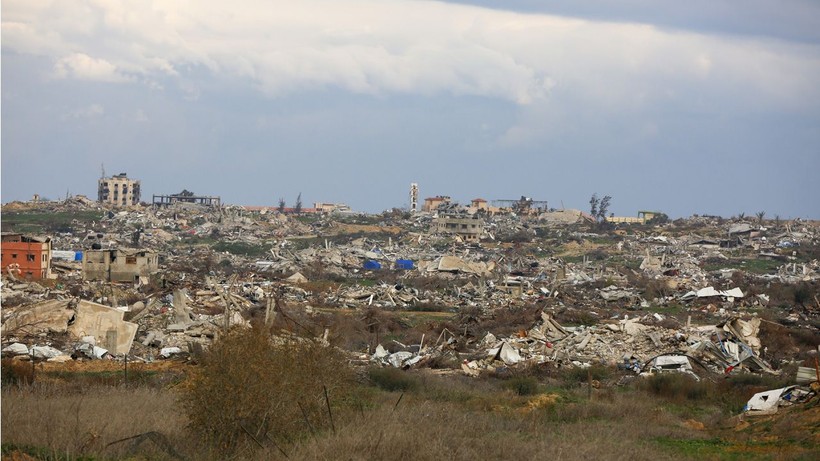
(432, 203)
(27, 257)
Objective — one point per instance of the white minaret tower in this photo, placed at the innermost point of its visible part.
(414, 197)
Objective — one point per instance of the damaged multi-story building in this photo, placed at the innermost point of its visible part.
(118, 190)
(120, 265)
(468, 228)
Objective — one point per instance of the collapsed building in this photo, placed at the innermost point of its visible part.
(467, 228)
(120, 265)
(650, 299)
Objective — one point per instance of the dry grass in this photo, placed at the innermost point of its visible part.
(70, 424)
(425, 426)
(450, 417)
(398, 415)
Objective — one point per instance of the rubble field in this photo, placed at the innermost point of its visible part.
(702, 297)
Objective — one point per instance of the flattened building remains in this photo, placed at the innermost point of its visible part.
(560, 279)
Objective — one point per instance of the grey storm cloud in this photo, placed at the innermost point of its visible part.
(377, 46)
(235, 93)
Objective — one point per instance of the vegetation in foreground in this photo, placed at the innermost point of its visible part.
(256, 398)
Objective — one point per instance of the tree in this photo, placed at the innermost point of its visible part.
(281, 205)
(298, 207)
(760, 215)
(603, 207)
(598, 208)
(593, 205)
(659, 218)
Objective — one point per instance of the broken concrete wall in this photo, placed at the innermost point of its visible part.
(106, 325)
(50, 316)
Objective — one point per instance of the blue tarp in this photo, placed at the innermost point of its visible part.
(404, 264)
(78, 256)
(372, 265)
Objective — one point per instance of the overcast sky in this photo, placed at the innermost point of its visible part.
(707, 107)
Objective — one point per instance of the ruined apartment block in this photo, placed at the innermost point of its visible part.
(468, 229)
(118, 190)
(118, 265)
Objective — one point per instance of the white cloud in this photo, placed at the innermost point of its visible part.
(83, 67)
(416, 47)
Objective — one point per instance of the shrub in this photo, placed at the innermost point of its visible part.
(676, 386)
(16, 372)
(522, 385)
(572, 316)
(802, 294)
(576, 375)
(392, 379)
(252, 383)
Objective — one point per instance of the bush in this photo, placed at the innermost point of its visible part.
(16, 372)
(676, 386)
(253, 383)
(523, 385)
(392, 379)
(577, 375)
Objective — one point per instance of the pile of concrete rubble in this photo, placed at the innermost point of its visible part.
(226, 266)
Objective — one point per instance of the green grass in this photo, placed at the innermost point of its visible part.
(669, 309)
(414, 319)
(41, 222)
(700, 448)
(754, 266)
(241, 248)
(430, 307)
(724, 450)
(41, 453)
(108, 377)
(604, 240)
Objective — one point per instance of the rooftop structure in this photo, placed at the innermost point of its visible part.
(186, 197)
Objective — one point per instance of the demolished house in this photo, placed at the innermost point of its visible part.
(634, 344)
(84, 322)
(644, 299)
(120, 265)
(467, 228)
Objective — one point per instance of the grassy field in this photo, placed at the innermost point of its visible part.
(392, 414)
(43, 223)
